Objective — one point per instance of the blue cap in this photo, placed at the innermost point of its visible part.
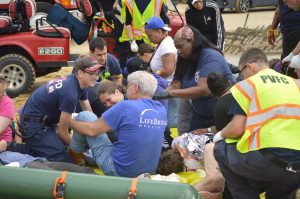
(156, 23)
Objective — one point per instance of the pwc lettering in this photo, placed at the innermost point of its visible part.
(274, 79)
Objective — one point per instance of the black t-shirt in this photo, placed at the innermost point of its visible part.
(221, 111)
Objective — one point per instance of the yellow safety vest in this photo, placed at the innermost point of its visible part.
(138, 19)
(272, 104)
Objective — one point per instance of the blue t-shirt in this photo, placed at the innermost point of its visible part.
(162, 84)
(139, 126)
(112, 66)
(61, 94)
(289, 19)
(209, 61)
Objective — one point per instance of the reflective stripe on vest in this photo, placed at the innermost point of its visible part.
(129, 4)
(247, 88)
(279, 111)
(158, 4)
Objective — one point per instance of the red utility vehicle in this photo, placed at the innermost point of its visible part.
(30, 47)
(27, 53)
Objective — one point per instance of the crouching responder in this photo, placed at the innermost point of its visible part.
(261, 148)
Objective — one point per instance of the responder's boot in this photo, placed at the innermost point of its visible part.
(78, 158)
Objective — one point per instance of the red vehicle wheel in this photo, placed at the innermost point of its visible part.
(19, 71)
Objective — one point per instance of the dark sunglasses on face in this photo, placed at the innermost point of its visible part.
(246, 65)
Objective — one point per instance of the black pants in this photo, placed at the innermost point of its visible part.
(59, 166)
(124, 52)
(249, 174)
(289, 42)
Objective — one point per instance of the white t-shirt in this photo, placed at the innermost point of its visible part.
(166, 46)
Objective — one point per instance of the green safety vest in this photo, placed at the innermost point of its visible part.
(138, 19)
(272, 104)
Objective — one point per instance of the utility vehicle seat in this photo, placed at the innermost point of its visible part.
(5, 21)
(52, 31)
(20, 11)
(30, 9)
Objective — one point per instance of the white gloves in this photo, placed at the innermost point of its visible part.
(295, 62)
(218, 137)
(133, 46)
(74, 115)
(178, 141)
(288, 58)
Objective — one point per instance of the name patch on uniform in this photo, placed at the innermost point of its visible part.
(51, 51)
(274, 79)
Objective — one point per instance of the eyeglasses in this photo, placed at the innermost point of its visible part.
(94, 75)
(246, 65)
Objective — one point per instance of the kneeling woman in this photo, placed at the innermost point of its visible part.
(197, 58)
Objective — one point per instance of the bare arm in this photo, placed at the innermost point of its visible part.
(168, 61)
(201, 90)
(118, 79)
(174, 85)
(63, 127)
(4, 123)
(296, 50)
(275, 20)
(235, 128)
(90, 128)
(211, 129)
(85, 105)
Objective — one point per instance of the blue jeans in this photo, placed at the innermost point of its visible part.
(100, 145)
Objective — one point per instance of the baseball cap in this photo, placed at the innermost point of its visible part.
(156, 23)
(88, 64)
(194, 1)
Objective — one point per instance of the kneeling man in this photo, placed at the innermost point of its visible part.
(139, 124)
